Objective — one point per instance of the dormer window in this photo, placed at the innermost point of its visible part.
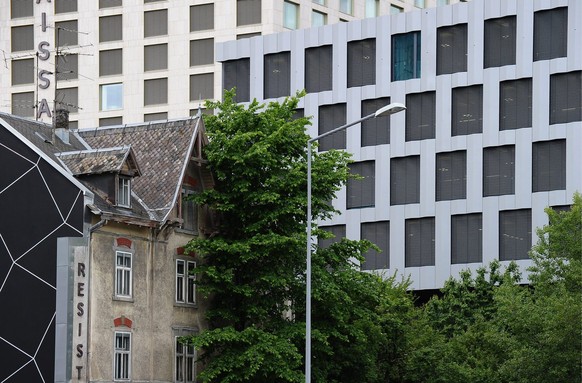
(124, 192)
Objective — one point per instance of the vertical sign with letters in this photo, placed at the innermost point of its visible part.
(43, 53)
(80, 316)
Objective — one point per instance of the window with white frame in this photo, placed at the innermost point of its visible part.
(185, 362)
(185, 281)
(124, 192)
(123, 274)
(111, 96)
(122, 358)
(290, 15)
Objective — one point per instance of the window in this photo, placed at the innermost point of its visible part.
(346, 6)
(466, 238)
(22, 71)
(361, 190)
(64, 6)
(22, 38)
(549, 165)
(277, 72)
(124, 192)
(515, 104)
(420, 242)
(185, 362)
(404, 180)
(68, 67)
(451, 175)
(155, 23)
(155, 57)
(452, 49)
(109, 3)
(155, 91)
(406, 56)
(372, 7)
(122, 356)
(201, 86)
(375, 131)
(248, 12)
(331, 117)
(290, 15)
(111, 96)
(467, 115)
(110, 121)
(110, 62)
(550, 34)
(189, 209)
(202, 52)
(155, 116)
(23, 104)
(420, 116)
(499, 170)
(361, 62)
(565, 97)
(514, 234)
(320, 2)
(318, 69)
(185, 281)
(68, 99)
(318, 19)
(338, 231)
(247, 35)
(19, 8)
(419, 3)
(237, 74)
(201, 17)
(123, 274)
(66, 33)
(379, 234)
(499, 42)
(394, 9)
(110, 28)
(442, 2)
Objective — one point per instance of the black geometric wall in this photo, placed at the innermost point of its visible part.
(37, 206)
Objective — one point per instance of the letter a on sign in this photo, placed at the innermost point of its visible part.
(43, 108)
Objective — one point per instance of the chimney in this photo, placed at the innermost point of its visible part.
(61, 123)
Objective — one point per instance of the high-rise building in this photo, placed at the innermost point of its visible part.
(491, 135)
(127, 61)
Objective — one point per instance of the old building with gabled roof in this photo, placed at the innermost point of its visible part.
(129, 292)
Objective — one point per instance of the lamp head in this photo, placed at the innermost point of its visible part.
(387, 110)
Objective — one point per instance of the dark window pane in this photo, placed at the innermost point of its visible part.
(361, 62)
(110, 62)
(237, 74)
(331, 117)
(247, 35)
(63, 6)
(375, 131)
(22, 38)
(550, 34)
(514, 234)
(549, 165)
(201, 52)
(404, 180)
(110, 28)
(68, 67)
(68, 99)
(277, 75)
(420, 116)
(451, 175)
(109, 3)
(156, 23)
(201, 17)
(318, 69)
(360, 191)
(248, 12)
(110, 121)
(201, 86)
(339, 232)
(23, 71)
(452, 49)
(499, 170)
(67, 33)
(21, 8)
(565, 97)
(379, 234)
(467, 116)
(406, 56)
(515, 104)
(23, 104)
(466, 238)
(499, 42)
(420, 242)
(156, 91)
(155, 116)
(155, 57)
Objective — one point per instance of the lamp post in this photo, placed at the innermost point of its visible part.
(384, 111)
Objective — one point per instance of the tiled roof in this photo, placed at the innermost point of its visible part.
(162, 152)
(95, 161)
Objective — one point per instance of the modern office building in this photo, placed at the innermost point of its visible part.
(491, 135)
(127, 61)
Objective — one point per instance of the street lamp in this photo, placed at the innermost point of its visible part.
(384, 111)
